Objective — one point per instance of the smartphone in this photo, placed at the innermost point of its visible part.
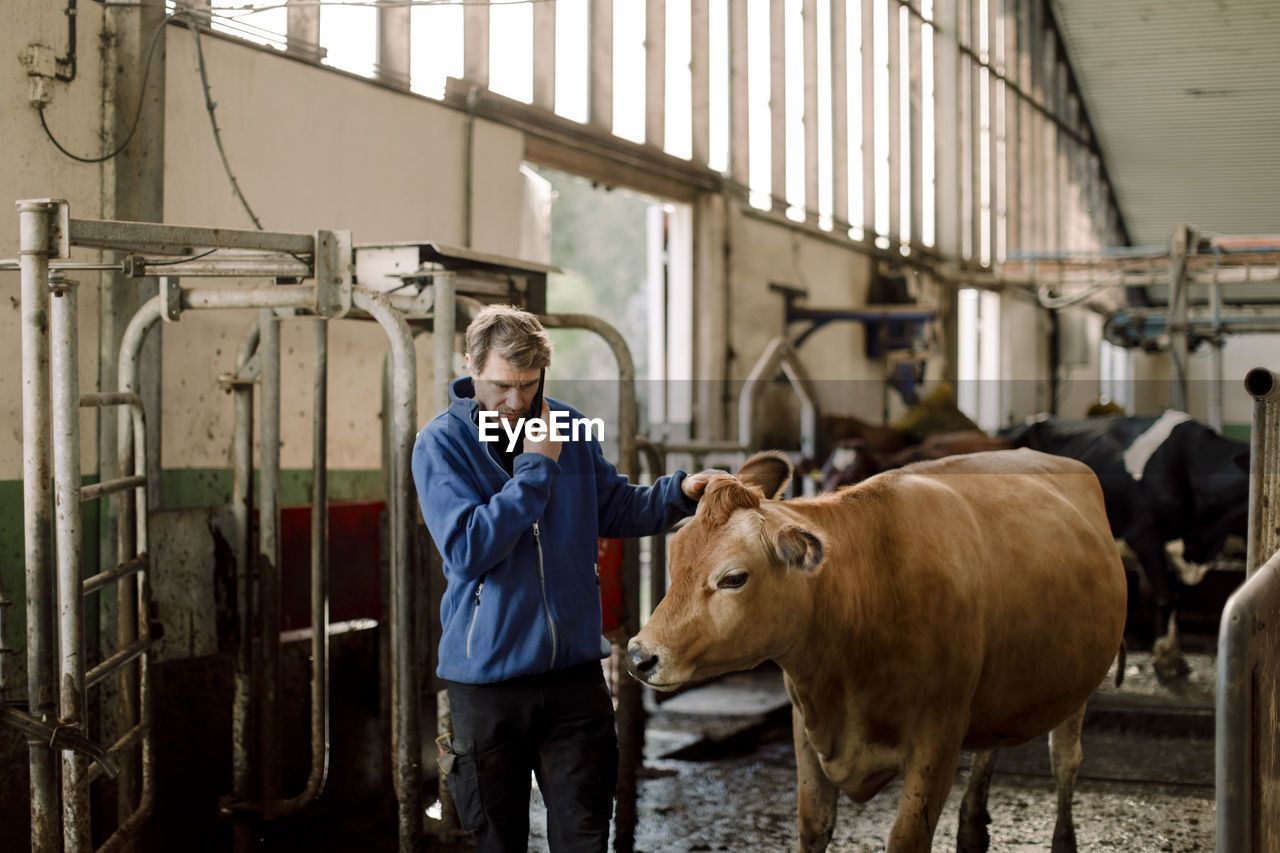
(535, 409)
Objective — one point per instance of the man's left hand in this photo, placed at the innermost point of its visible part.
(694, 485)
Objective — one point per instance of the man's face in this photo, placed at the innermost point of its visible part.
(503, 388)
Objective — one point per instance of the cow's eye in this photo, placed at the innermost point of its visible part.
(733, 580)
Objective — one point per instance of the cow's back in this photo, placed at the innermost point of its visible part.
(1006, 562)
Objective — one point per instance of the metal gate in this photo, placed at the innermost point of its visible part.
(51, 441)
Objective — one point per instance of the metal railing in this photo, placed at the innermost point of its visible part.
(1247, 760)
(51, 438)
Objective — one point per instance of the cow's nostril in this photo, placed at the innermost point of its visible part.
(642, 660)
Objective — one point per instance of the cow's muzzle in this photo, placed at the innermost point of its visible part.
(642, 663)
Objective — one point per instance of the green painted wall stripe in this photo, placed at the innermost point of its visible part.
(1240, 432)
(192, 488)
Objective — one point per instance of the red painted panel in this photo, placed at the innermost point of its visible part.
(355, 589)
(609, 562)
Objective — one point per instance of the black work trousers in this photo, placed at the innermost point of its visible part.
(559, 726)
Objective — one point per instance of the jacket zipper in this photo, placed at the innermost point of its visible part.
(475, 612)
(542, 581)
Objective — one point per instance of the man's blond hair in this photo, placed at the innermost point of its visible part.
(510, 332)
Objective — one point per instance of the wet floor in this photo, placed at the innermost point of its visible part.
(718, 781)
(719, 775)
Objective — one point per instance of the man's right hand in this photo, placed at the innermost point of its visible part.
(547, 447)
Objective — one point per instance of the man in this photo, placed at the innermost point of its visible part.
(515, 512)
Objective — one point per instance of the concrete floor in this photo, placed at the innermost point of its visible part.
(720, 774)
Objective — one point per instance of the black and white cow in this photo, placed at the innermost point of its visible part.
(1163, 478)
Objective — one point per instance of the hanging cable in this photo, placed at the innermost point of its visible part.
(180, 260)
(193, 26)
(146, 72)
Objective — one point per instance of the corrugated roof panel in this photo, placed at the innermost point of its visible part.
(1184, 97)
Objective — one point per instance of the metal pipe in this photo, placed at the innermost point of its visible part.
(13, 265)
(443, 327)
(1178, 351)
(111, 487)
(1215, 382)
(277, 296)
(656, 456)
(630, 700)
(102, 399)
(159, 239)
(406, 735)
(93, 583)
(116, 750)
(130, 518)
(778, 354)
(242, 725)
(268, 557)
(1264, 459)
(72, 705)
(1258, 596)
(628, 414)
(35, 222)
(133, 594)
(319, 770)
(116, 661)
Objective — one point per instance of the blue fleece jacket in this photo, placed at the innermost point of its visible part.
(519, 551)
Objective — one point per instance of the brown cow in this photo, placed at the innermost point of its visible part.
(966, 603)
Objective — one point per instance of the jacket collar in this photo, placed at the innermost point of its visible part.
(462, 399)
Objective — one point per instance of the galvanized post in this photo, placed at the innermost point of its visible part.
(1179, 248)
(72, 707)
(242, 724)
(444, 325)
(406, 734)
(268, 559)
(35, 218)
(630, 702)
(319, 769)
(1264, 467)
(1215, 380)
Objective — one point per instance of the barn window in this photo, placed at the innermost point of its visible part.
(349, 36)
(1115, 374)
(511, 37)
(261, 21)
(889, 120)
(980, 392)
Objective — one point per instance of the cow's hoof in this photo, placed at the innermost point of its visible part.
(972, 836)
(1064, 838)
(975, 841)
(1170, 668)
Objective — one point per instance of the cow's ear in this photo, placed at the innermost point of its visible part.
(769, 471)
(798, 548)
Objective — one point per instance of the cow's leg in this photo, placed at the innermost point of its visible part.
(1065, 756)
(972, 836)
(815, 793)
(1167, 658)
(930, 772)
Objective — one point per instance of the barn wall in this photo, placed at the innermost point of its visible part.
(35, 169)
(315, 149)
